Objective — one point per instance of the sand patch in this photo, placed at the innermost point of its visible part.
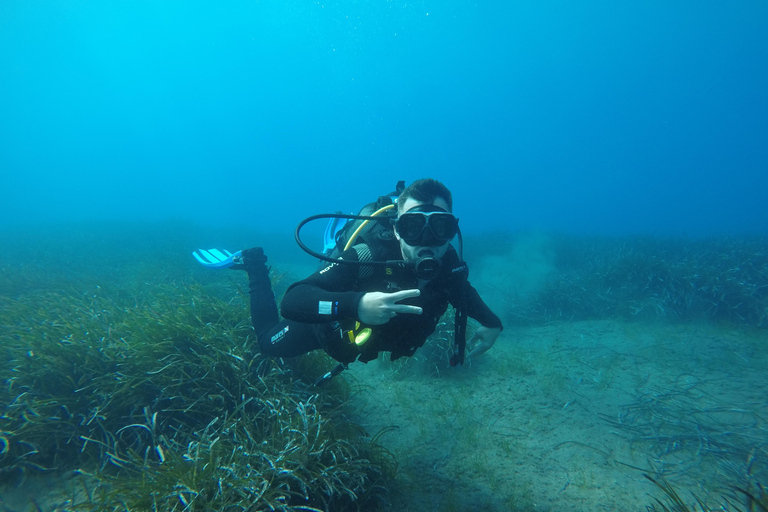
(552, 418)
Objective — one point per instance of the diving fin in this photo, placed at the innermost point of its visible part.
(214, 258)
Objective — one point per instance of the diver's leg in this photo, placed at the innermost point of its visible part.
(288, 339)
(276, 338)
(263, 306)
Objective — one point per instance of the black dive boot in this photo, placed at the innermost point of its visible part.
(253, 259)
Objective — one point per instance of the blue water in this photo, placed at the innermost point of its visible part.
(134, 131)
(584, 117)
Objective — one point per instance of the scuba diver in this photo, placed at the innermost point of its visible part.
(386, 292)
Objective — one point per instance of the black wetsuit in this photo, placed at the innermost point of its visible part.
(319, 310)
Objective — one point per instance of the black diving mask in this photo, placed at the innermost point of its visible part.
(426, 228)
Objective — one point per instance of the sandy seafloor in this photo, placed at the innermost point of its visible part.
(553, 417)
(561, 417)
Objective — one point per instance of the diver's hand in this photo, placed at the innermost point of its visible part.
(376, 308)
(483, 340)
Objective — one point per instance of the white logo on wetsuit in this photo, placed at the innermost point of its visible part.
(324, 307)
(277, 337)
(329, 267)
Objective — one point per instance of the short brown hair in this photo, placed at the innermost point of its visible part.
(426, 190)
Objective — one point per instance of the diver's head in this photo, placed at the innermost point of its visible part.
(425, 191)
(425, 225)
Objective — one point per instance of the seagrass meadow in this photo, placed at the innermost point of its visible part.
(139, 385)
(630, 376)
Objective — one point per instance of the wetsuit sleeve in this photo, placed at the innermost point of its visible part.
(479, 310)
(326, 295)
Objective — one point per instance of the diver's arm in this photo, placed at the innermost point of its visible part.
(311, 304)
(462, 292)
(479, 310)
(488, 332)
(483, 340)
(326, 295)
(308, 303)
(333, 292)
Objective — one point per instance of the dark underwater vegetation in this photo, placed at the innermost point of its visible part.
(718, 279)
(140, 379)
(129, 373)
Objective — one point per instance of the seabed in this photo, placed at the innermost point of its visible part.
(630, 377)
(570, 416)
